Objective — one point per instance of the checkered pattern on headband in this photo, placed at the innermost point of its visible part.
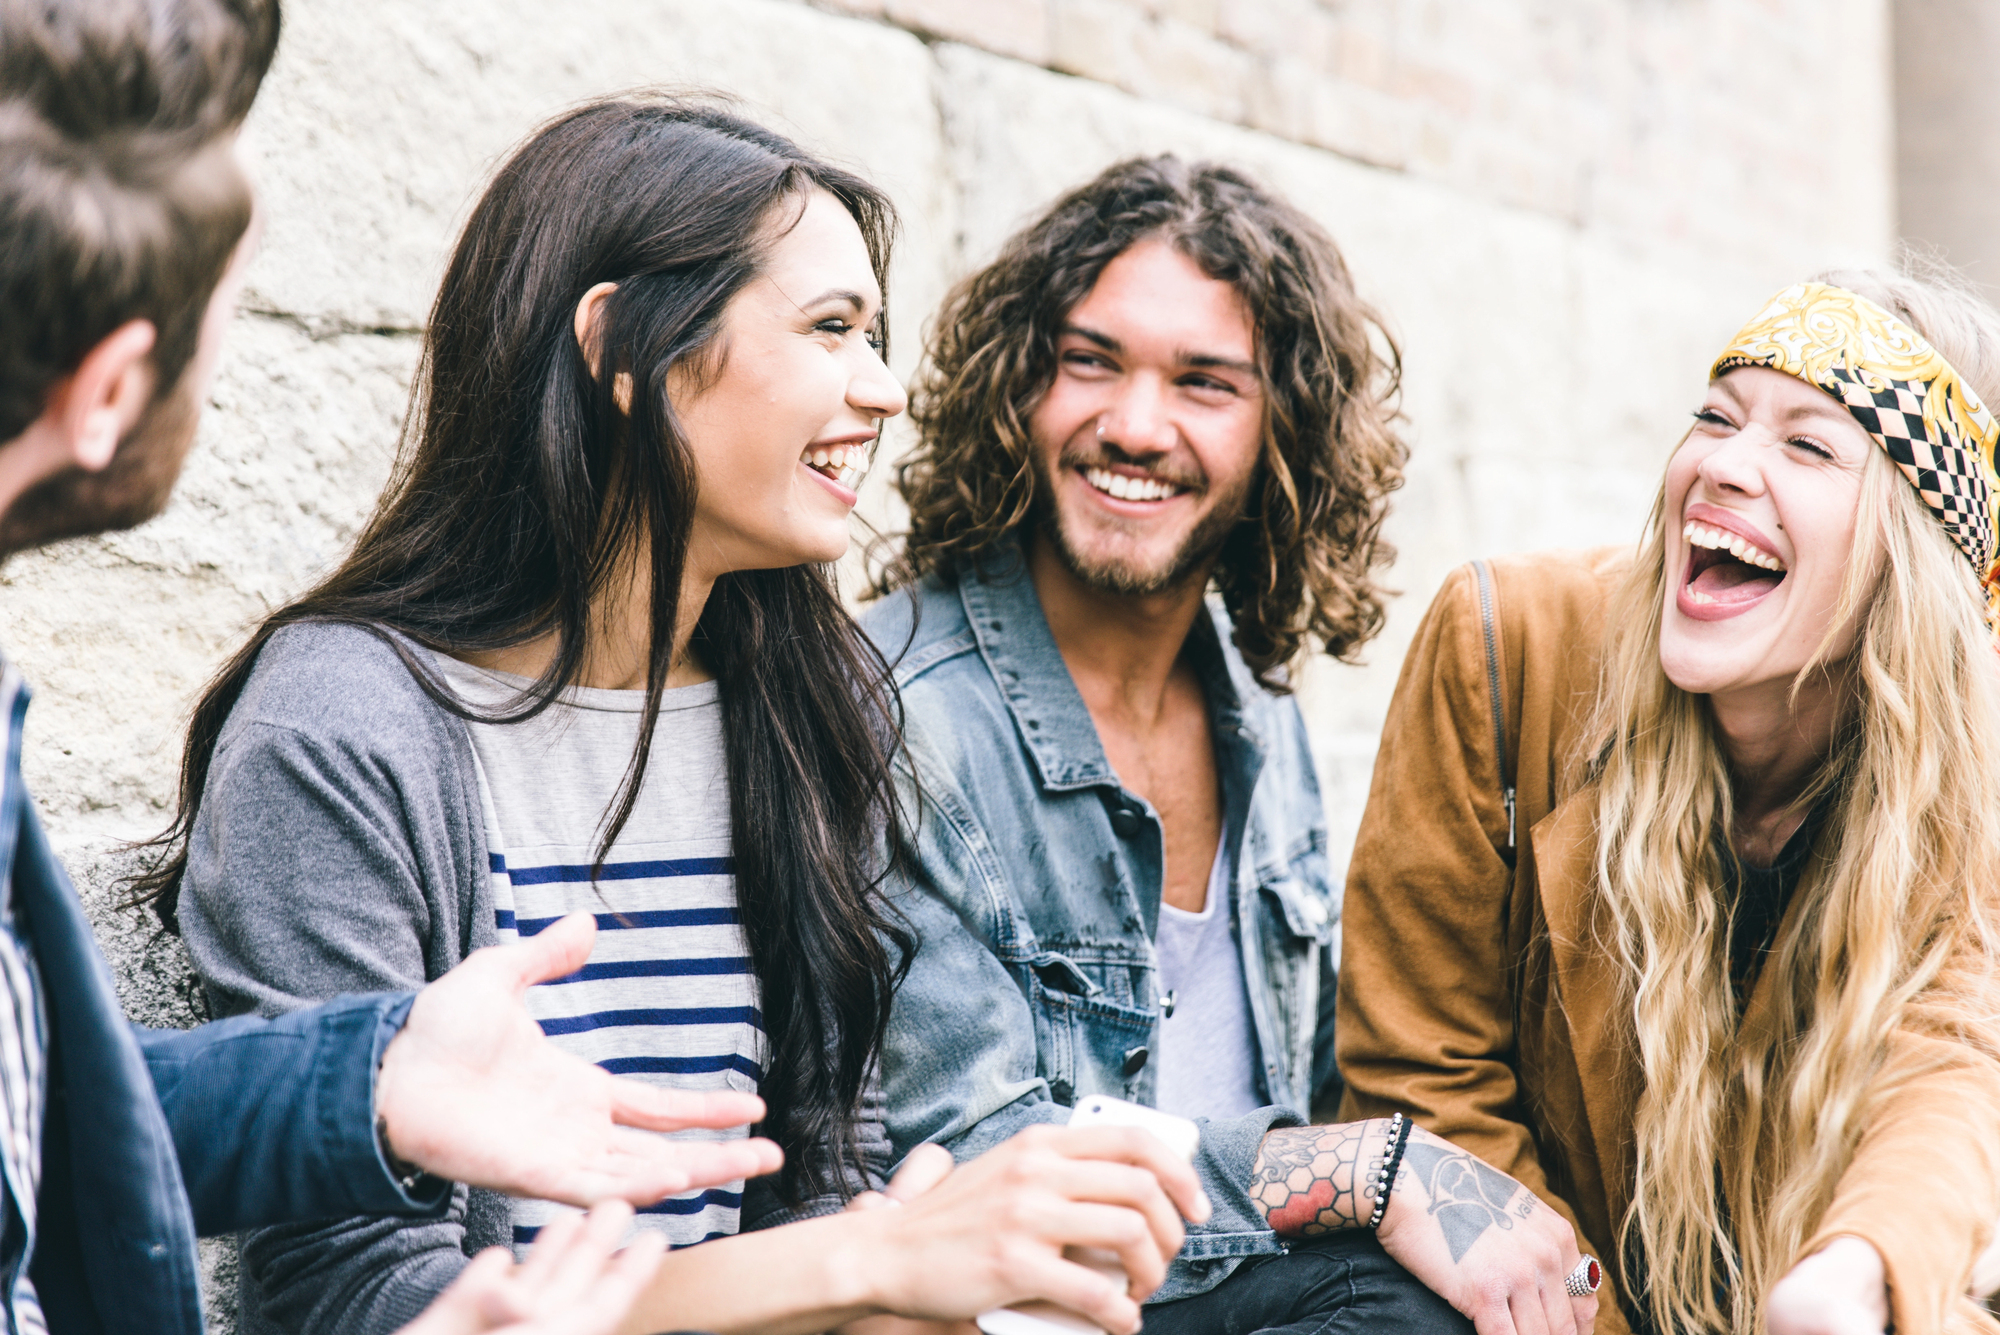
(1946, 474)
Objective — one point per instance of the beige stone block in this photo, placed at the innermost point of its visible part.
(1280, 99)
(1203, 14)
(117, 633)
(1098, 39)
(1361, 55)
(1184, 67)
(1436, 88)
(1361, 123)
(1297, 28)
(1017, 28)
(383, 118)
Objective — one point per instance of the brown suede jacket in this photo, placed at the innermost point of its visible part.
(1473, 995)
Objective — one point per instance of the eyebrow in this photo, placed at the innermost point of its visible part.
(1203, 360)
(844, 295)
(1832, 409)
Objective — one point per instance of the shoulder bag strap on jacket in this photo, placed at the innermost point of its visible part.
(1489, 620)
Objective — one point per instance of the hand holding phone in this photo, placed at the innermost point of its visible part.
(1044, 1318)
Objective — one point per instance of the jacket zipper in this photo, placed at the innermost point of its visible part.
(1493, 689)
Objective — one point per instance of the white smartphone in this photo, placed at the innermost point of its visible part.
(1043, 1318)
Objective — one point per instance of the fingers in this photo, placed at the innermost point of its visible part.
(1558, 1318)
(1083, 1291)
(1112, 1183)
(871, 1200)
(923, 1168)
(1528, 1308)
(1142, 1149)
(480, 1299)
(631, 1271)
(640, 1168)
(690, 1165)
(655, 1109)
(576, 1266)
(556, 951)
(1115, 1233)
(551, 1241)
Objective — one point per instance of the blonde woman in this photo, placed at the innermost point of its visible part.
(1675, 895)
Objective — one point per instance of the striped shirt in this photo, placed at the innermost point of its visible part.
(24, 1043)
(668, 995)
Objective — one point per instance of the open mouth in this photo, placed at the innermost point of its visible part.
(1726, 572)
(844, 464)
(1131, 487)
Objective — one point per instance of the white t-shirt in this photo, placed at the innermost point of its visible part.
(668, 995)
(1208, 1048)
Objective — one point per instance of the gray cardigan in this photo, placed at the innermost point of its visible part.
(340, 848)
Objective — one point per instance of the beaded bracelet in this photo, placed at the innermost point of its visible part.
(1385, 1181)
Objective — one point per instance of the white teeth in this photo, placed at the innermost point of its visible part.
(1700, 535)
(1127, 488)
(847, 464)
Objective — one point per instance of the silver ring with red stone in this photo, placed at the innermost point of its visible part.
(1583, 1281)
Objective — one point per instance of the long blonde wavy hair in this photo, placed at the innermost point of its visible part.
(1768, 1116)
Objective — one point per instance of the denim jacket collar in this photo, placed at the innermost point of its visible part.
(1054, 724)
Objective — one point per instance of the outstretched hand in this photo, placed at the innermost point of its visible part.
(472, 1090)
(573, 1282)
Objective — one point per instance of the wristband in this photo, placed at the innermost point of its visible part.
(1392, 1163)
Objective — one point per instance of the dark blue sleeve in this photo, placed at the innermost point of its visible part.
(274, 1119)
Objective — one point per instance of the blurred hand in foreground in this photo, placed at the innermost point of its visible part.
(574, 1282)
(473, 1091)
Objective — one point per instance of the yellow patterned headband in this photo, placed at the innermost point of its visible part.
(1903, 393)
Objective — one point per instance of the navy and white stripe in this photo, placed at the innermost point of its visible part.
(668, 995)
(24, 1043)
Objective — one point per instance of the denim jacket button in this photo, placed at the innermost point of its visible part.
(1124, 822)
(1135, 1061)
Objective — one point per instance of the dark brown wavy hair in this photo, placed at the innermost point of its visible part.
(1302, 562)
(523, 486)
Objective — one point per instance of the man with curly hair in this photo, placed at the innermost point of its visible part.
(1157, 438)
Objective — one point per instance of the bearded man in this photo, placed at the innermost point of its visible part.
(1157, 437)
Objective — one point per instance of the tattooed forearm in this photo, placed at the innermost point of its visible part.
(1320, 1179)
(1467, 1197)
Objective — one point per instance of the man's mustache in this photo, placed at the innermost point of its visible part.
(1192, 480)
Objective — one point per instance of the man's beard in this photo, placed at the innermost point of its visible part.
(1120, 578)
(125, 493)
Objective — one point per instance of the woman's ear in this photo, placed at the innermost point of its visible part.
(588, 309)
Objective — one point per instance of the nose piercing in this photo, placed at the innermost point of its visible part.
(1100, 428)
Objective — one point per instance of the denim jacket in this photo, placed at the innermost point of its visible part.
(1034, 880)
(151, 1136)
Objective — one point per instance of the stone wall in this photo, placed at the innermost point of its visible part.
(1563, 206)
(1948, 133)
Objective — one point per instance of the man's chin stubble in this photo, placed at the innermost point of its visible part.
(1190, 563)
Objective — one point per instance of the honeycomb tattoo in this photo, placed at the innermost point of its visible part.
(1310, 1180)
(1306, 1182)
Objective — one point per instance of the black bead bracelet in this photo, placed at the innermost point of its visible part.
(1385, 1181)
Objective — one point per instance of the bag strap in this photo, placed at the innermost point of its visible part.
(1490, 623)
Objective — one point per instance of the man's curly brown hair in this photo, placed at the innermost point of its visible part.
(1302, 562)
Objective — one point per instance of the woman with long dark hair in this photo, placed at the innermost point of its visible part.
(588, 654)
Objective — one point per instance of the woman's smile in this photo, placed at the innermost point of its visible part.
(839, 465)
(1731, 566)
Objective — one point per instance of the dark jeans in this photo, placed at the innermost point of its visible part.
(1323, 1286)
